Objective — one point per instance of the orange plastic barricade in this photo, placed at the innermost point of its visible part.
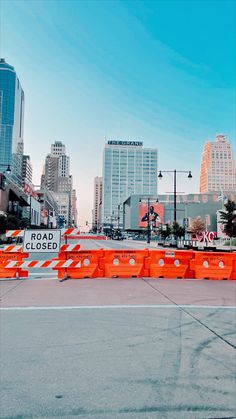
(86, 264)
(217, 265)
(15, 271)
(91, 237)
(170, 263)
(233, 276)
(125, 263)
(88, 237)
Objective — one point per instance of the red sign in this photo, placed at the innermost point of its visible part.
(206, 236)
(156, 214)
(29, 191)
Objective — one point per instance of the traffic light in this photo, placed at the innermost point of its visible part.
(86, 223)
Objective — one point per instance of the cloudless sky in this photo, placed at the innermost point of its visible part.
(158, 71)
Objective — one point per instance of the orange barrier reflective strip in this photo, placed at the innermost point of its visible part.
(70, 231)
(70, 247)
(13, 248)
(14, 233)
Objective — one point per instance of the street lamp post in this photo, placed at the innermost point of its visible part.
(8, 170)
(30, 210)
(118, 218)
(148, 223)
(160, 176)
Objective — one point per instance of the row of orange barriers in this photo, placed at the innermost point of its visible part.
(149, 263)
(14, 272)
(129, 263)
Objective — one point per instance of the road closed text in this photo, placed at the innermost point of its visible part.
(42, 241)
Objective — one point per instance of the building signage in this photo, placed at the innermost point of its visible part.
(156, 214)
(206, 236)
(30, 191)
(133, 143)
(42, 241)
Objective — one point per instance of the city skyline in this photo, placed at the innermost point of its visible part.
(142, 82)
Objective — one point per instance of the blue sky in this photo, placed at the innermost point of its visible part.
(158, 71)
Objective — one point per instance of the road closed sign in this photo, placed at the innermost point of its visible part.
(42, 241)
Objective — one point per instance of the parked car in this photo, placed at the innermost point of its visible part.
(117, 235)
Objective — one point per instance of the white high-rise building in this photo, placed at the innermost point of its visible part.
(97, 203)
(56, 177)
(63, 166)
(58, 149)
(27, 169)
(74, 211)
(128, 169)
(218, 171)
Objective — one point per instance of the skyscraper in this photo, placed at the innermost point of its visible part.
(97, 202)
(27, 169)
(50, 173)
(57, 179)
(128, 169)
(74, 212)
(58, 149)
(218, 171)
(11, 121)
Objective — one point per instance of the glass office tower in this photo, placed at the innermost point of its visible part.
(128, 169)
(11, 122)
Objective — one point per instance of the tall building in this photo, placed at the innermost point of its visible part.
(58, 149)
(63, 166)
(27, 170)
(49, 177)
(56, 177)
(11, 121)
(74, 212)
(128, 169)
(218, 171)
(97, 203)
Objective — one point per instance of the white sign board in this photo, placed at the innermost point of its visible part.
(220, 227)
(42, 241)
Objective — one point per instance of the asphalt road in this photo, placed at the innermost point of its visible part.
(118, 349)
(117, 363)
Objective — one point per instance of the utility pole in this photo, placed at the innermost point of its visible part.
(160, 176)
(148, 223)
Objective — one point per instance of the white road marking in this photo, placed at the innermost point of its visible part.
(112, 307)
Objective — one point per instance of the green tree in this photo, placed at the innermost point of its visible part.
(228, 218)
(12, 223)
(24, 223)
(198, 226)
(177, 230)
(3, 220)
(164, 231)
